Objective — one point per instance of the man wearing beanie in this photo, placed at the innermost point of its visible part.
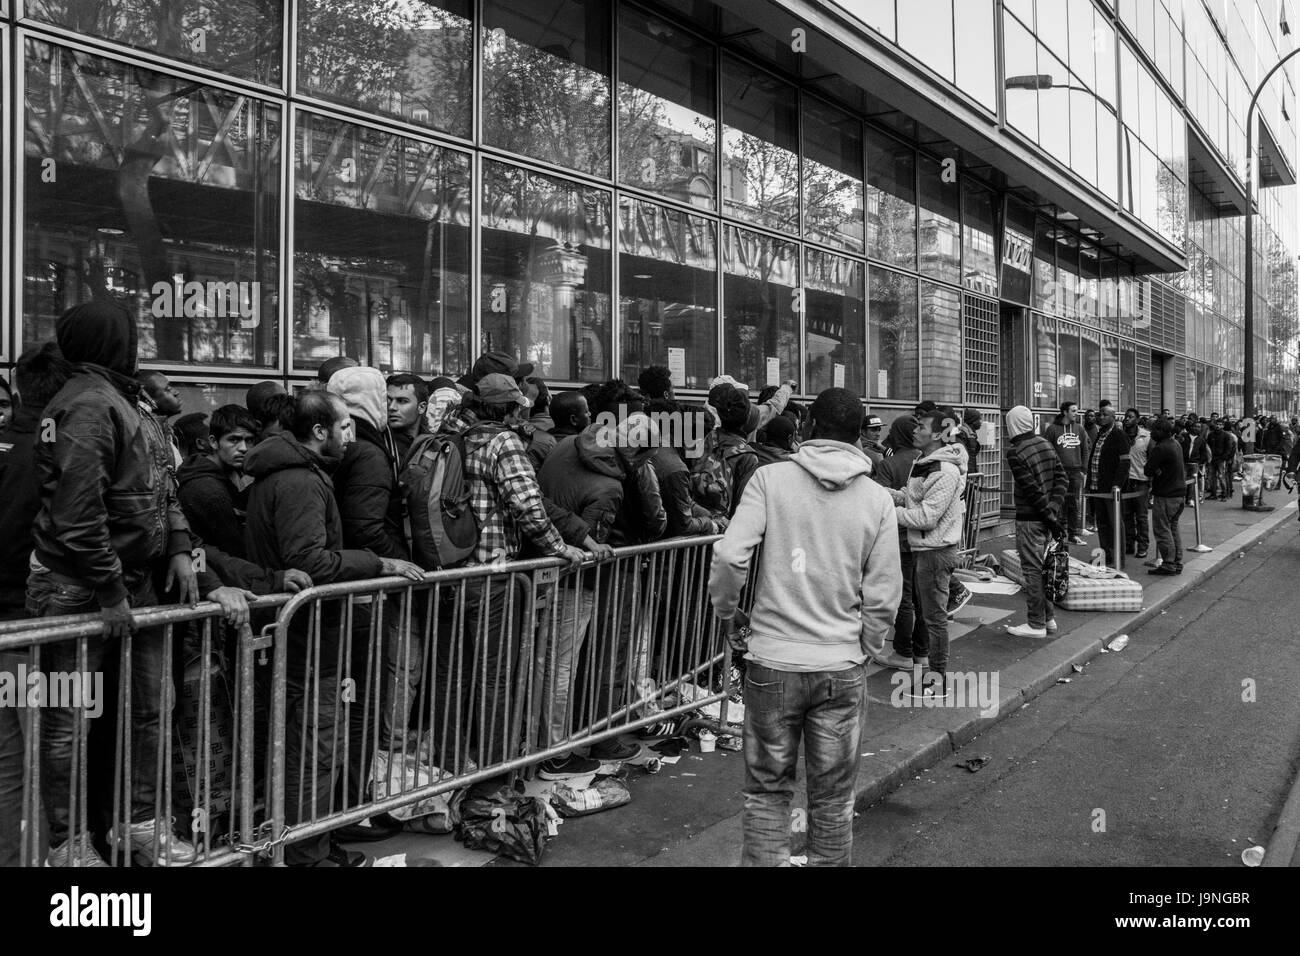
(110, 529)
(1040, 488)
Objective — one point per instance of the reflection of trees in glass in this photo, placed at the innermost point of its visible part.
(402, 57)
(540, 103)
(146, 128)
(892, 308)
(761, 275)
(655, 154)
(373, 293)
(556, 278)
(237, 37)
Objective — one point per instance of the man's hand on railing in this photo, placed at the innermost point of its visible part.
(295, 580)
(180, 570)
(118, 622)
(573, 555)
(720, 524)
(401, 568)
(234, 602)
(601, 552)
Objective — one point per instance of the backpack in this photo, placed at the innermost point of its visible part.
(440, 522)
(713, 475)
(1056, 571)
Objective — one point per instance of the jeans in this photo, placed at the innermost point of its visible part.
(1220, 480)
(1031, 543)
(1165, 514)
(1137, 532)
(911, 639)
(1073, 518)
(12, 725)
(64, 732)
(555, 657)
(825, 709)
(932, 576)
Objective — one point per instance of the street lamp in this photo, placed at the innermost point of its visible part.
(1248, 379)
(1043, 81)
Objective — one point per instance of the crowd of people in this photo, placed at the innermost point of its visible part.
(112, 500)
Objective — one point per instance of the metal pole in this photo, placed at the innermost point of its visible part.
(1196, 512)
(1117, 533)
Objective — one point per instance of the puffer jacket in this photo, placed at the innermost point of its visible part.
(933, 507)
(685, 516)
(293, 519)
(214, 509)
(366, 488)
(106, 509)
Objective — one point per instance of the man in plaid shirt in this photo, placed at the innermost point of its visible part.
(508, 507)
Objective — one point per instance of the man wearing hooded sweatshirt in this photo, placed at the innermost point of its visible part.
(931, 508)
(1041, 488)
(294, 521)
(1070, 441)
(109, 526)
(911, 640)
(808, 630)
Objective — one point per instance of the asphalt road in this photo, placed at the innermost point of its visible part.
(1153, 756)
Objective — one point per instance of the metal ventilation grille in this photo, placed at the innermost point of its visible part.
(982, 378)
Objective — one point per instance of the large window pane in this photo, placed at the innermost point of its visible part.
(940, 212)
(1044, 266)
(892, 355)
(546, 273)
(925, 31)
(667, 110)
(381, 235)
(891, 200)
(941, 343)
(413, 59)
(976, 69)
(760, 147)
(1020, 61)
(1090, 374)
(1017, 252)
(758, 299)
(1044, 361)
(546, 80)
(836, 323)
(1068, 372)
(832, 176)
(1054, 107)
(668, 284)
(164, 194)
(237, 37)
(979, 229)
(1127, 378)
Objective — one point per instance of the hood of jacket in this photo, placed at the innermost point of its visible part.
(278, 453)
(100, 332)
(901, 431)
(199, 466)
(610, 450)
(365, 393)
(834, 464)
(953, 454)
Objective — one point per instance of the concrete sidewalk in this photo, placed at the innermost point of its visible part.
(689, 814)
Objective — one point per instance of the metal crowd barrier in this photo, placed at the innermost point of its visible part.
(175, 743)
(369, 697)
(969, 550)
(1117, 499)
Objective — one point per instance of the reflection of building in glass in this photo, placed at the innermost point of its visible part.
(597, 187)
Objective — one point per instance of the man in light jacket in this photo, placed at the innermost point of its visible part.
(813, 616)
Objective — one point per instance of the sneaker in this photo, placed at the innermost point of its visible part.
(567, 768)
(1142, 553)
(1164, 569)
(941, 692)
(1024, 630)
(75, 853)
(1051, 626)
(162, 848)
(1078, 539)
(897, 661)
(921, 662)
(958, 597)
(612, 751)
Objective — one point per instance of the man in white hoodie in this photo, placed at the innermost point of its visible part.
(828, 588)
(931, 508)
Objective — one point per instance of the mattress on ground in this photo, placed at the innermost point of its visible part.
(1091, 589)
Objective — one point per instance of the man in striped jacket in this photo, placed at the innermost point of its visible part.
(1040, 487)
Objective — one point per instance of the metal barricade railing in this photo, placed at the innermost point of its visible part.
(182, 742)
(973, 497)
(391, 693)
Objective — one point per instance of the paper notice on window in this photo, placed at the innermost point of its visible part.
(882, 382)
(677, 367)
(837, 377)
(773, 370)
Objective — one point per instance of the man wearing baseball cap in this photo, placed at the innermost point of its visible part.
(500, 362)
(871, 427)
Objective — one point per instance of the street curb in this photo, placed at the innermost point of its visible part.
(1041, 671)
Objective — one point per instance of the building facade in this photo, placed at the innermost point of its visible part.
(979, 202)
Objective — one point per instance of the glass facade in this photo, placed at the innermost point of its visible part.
(598, 186)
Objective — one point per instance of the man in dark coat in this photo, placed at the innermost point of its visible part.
(1108, 468)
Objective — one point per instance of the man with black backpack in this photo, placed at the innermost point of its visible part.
(719, 475)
